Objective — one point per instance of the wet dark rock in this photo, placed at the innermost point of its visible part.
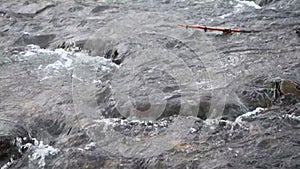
(8, 150)
(298, 32)
(230, 112)
(265, 2)
(165, 1)
(74, 9)
(114, 56)
(258, 98)
(42, 40)
(101, 8)
(11, 144)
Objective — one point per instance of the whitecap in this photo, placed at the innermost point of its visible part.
(249, 3)
(40, 152)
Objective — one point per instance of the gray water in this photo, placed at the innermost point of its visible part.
(118, 84)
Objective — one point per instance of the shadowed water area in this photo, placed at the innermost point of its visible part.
(118, 84)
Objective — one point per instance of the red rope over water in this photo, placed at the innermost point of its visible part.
(224, 30)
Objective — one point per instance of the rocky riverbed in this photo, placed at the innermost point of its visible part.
(117, 84)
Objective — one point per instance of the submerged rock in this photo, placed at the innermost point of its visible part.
(101, 8)
(264, 2)
(12, 137)
(42, 40)
(32, 9)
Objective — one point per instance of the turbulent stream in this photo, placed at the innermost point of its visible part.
(118, 84)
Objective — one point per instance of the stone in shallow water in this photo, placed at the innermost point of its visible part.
(41, 40)
(6, 149)
(101, 8)
(264, 2)
(10, 147)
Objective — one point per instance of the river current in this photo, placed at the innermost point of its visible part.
(118, 84)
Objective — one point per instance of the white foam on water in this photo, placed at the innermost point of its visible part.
(97, 81)
(47, 71)
(240, 7)
(8, 164)
(66, 61)
(40, 152)
(56, 65)
(249, 3)
(90, 146)
(108, 123)
(192, 130)
(77, 78)
(115, 121)
(225, 15)
(212, 123)
(251, 114)
(29, 54)
(292, 116)
(64, 55)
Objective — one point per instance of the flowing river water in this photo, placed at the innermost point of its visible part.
(118, 84)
